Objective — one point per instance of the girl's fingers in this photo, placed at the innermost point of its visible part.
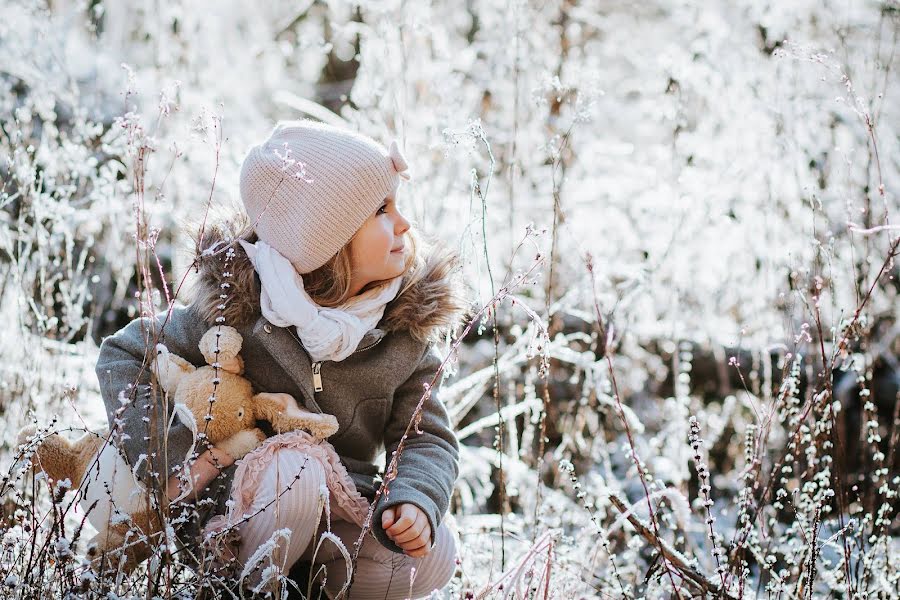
(418, 543)
(387, 518)
(407, 525)
(405, 517)
(414, 531)
(422, 542)
(422, 550)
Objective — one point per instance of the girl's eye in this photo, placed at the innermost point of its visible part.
(383, 207)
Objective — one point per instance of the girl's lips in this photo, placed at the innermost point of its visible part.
(400, 249)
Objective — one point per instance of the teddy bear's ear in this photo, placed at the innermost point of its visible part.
(169, 369)
(222, 344)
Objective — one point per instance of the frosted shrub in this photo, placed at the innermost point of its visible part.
(677, 219)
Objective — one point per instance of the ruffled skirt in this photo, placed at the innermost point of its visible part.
(221, 535)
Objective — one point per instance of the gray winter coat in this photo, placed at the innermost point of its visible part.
(372, 393)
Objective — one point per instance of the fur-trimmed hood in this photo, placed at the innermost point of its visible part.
(425, 309)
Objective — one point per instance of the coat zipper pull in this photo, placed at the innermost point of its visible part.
(317, 376)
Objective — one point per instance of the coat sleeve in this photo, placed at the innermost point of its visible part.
(429, 463)
(154, 442)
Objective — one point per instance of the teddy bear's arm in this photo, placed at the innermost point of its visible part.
(283, 412)
(242, 442)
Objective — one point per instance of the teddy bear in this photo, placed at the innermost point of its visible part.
(215, 401)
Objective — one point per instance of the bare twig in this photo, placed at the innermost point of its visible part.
(671, 556)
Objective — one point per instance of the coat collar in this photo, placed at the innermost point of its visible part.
(431, 300)
(283, 345)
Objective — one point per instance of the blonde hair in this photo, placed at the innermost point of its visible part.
(329, 285)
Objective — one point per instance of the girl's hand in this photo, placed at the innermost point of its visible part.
(203, 470)
(407, 526)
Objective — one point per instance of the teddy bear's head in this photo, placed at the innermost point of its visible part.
(220, 399)
(220, 409)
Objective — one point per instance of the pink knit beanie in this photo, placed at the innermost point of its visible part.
(310, 186)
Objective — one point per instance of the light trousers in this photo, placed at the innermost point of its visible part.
(288, 522)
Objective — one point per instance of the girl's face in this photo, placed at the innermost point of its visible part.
(377, 250)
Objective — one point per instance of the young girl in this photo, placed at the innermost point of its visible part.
(339, 305)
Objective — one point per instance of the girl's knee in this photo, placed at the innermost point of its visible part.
(292, 464)
(291, 472)
(289, 496)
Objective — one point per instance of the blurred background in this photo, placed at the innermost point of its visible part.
(703, 196)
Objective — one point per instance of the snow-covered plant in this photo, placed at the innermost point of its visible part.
(706, 192)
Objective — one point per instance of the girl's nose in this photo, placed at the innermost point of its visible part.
(402, 224)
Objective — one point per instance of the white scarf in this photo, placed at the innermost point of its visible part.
(326, 333)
